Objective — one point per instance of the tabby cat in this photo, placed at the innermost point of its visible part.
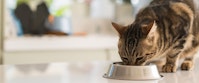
(166, 30)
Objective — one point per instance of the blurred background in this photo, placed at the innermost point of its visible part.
(36, 36)
(43, 31)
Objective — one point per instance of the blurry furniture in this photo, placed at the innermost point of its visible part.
(60, 49)
(45, 49)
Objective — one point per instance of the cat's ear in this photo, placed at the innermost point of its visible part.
(120, 29)
(149, 29)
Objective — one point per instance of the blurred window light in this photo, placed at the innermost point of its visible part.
(134, 2)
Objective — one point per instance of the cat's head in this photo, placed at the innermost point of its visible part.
(137, 42)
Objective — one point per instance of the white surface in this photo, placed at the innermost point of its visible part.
(60, 43)
(80, 72)
(32, 57)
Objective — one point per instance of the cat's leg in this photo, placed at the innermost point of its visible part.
(176, 51)
(188, 56)
(187, 64)
(171, 61)
(172, 56)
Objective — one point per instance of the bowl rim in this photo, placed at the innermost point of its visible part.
(106, 76)
(116, 64)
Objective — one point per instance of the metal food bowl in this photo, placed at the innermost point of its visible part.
(125, 72)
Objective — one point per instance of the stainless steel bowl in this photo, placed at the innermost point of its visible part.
(125, 72)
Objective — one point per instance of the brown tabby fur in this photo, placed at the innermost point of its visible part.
(166, 30)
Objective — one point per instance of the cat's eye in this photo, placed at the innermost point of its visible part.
(148, 54)
(140, 58)
(124, 59)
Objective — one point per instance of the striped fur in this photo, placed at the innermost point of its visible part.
(165, 30)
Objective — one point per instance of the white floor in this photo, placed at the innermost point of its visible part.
(80, 72)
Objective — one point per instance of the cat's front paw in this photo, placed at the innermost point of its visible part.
(187, 65)
(169, 68)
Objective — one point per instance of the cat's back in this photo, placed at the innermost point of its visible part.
(167, 8)
(189, 3)
(172, 16)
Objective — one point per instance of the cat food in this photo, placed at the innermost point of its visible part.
(125, 72)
